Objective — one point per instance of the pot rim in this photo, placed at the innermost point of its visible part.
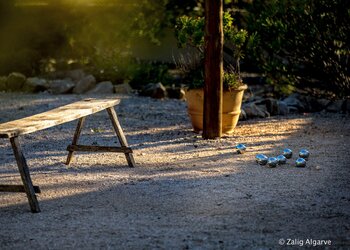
(242, 87)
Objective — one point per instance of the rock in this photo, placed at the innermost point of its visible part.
(35, 84)
(76, 75)
(322, 104)
(293, 101)
(253, 111)
(282, 108)
(15, 81)
(154, 90)
(293, 110)
(310, 103)
(3, 81)
(175, 75)
(347, 106)
(124, 88)
(272, 106)
(85, 84)
(336, 106)
(243, 115)
(102, 88)
(176, 93)
(263, 108)
(64, 86)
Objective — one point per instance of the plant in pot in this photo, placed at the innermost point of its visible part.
(190, 34)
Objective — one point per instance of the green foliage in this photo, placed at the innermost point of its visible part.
(231, 81)
(145, 72)
(111, 65)
(190, 33)
(101, 35)
(303, 43)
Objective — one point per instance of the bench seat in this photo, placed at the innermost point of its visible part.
(55, 117)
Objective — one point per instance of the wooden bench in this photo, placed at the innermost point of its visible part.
(78, 110)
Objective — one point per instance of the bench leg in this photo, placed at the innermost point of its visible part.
(120, 134)
(75, 139)
(24, 171)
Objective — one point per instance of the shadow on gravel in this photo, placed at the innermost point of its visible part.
(186, 193)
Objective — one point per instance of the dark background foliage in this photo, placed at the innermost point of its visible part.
(301, 44)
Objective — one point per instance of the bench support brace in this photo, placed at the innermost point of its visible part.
(17, 188)
(75, 139)
(119, 132)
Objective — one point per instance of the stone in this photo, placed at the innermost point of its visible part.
(243, 115)
(310, 104)
(102, 88)
(293, 110)
(35, 84)
(85, 84)
(124, 88)
(263, 108)
(293, 101)
(272, 106)
(176, 93)
(253, 110)
(282, 108)
(64, 86)
(175, 75)
(154, 90)
(76, 74)
(15, 81)
(322, 104)
(335, 106)
(347, 106)
(3, 81)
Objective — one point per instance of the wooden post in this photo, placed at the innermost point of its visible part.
(24, 171)
(121, 137)
(213, 87)
(75, 139)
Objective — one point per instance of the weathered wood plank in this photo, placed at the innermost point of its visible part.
(75, 139)
(55, 117)
(119, 131)
(88, 148)
(17, 188)
(24, 171)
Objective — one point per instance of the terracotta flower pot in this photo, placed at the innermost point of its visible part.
(231, 109)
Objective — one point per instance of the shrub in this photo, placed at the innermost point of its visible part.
(303, 43)
(190, 33)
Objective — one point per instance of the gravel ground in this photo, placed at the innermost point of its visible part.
(185, 193)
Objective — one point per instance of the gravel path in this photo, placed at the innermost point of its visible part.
(186, 193)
